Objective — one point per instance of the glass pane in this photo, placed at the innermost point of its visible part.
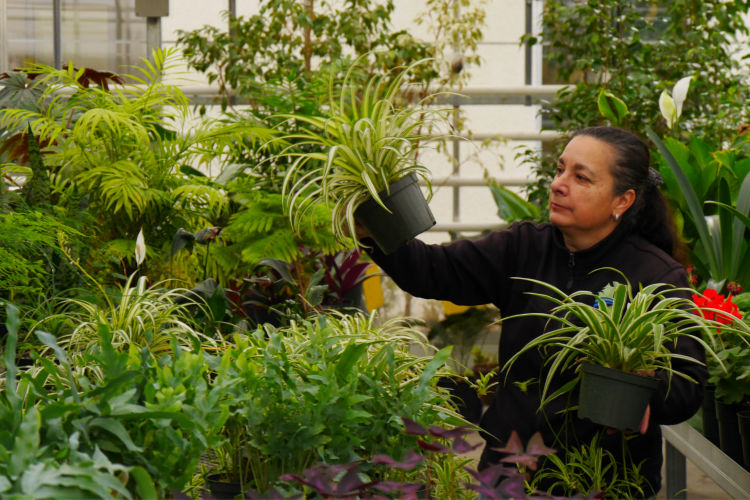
(102, 34)
(99, 34)
(29, 32)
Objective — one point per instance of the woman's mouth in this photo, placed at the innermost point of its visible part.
(556, 207)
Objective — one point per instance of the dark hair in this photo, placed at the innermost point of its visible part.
(650, 215)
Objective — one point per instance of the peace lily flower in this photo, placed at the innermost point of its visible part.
(140, 248)
(671, 106)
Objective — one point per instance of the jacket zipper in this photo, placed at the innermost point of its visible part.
(571, 266)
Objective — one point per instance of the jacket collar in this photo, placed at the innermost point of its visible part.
(595, 252)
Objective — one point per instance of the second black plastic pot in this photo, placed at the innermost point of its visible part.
(222, 489)
(729, 431)
(409, 214)
(743, 421)
(708, 412)
(614, 398)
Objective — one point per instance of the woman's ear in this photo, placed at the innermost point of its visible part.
(624, 201)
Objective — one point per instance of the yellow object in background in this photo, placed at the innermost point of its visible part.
(449, 308)
(373, 288)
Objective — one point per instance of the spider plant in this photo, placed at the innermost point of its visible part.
(142, 317)
(365, 141)
(632, 331)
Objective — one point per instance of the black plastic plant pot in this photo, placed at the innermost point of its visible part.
(614, 398)
(729, 431)
(708, 411)
(743, 420)
(221, 488)
(409, 214)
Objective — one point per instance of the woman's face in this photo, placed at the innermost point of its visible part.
(582, 201)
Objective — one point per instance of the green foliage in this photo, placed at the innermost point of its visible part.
(732, 376)
(31, 265)
(284, 60)
(260, 229)
(462, 331)
(730, 372)
(511, 207)
(126, 155)
(138, 431)
(633, 333)
(329, 389)
(137, 318)
(635, 50)
(697, 177)
(589, 470)
(36, 190)
(271, 58)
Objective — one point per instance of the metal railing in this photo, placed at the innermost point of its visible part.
(685, 443)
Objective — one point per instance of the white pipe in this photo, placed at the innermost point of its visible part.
(460, 227)
(474, 182)
(4, 36)
(507, 91)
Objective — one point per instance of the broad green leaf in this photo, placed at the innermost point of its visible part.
(693, 204)
(510, 206)
(26, 444)
(144, 484)
(348, 360)
(115, 427)
(611, 107)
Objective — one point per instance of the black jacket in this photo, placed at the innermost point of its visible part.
(480, 272)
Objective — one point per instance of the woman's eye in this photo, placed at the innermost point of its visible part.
(582, 178)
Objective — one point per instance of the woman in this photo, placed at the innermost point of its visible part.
(605, 211)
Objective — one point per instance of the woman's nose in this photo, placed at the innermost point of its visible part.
(558, 184)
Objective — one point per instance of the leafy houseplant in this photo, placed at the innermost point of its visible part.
(137, 430)
(361, 158)
(589, 471)
(328, 389)
(697, 178)
(138, 317)
(126, 154)
(622, 332)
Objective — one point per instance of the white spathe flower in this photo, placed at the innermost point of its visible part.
(140, 248)
(679, 93)
(671, 106)
(668, 108)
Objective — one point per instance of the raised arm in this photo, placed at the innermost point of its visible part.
(464, 272)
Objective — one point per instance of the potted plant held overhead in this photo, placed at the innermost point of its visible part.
(614, 340)
(361, 158)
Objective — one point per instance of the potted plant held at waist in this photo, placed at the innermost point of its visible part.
(612, 343)
(361, 158)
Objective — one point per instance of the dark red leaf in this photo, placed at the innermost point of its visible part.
(492, 474)
(398, 487)
(460, 445)
(536, 446)
(485, 491)
(433, 446)
(512, 487)
(529, 461)
(513, 446)
(449, 433)
(413, 428)
(411, 460)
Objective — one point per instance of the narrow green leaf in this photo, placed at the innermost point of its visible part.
(694, 206)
